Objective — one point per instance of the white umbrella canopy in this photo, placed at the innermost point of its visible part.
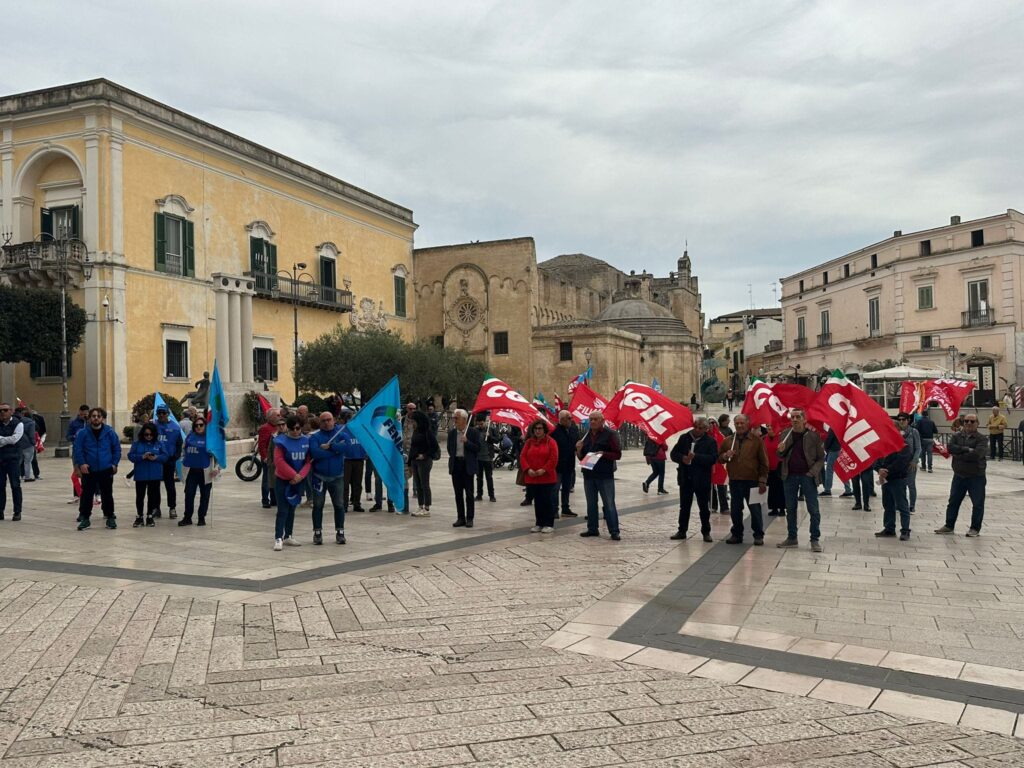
(903, 373)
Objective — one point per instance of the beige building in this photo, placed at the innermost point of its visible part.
(537, 325)
(201, 245)
(739, 342)
(950, 298)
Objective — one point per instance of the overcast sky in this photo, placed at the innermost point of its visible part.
(770, 135)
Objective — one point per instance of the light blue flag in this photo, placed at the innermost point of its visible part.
(589, 373)
(655, 385)
(158, 402)
(216, 427)
(379, 431)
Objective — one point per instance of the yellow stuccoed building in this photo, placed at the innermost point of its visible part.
(200, 245)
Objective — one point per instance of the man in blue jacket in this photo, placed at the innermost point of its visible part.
(327, 447)
(171, 438)
(96, 454)
(355, 459)
(80, 422)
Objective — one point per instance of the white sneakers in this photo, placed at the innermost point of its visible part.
(277, 545)
(536, 529)
(547, 529)
(421, 512)
(289, 542)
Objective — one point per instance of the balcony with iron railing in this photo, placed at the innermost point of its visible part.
(824, 339)
(302, 292)
(39, 262)
(975, 318)
(800, 345)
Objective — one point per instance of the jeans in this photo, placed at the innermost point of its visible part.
(927, 450)
(195, 479)
(740, 492)
(719, 498)
(994, 442)
(862, 488)
(793, 484)
(421, 471)
(602, 486)
(172, 492)
(912, 484)
(963, 486)
(826, 481)
(10, 471)
(144, 488)
(894, 499)
(688, 490)
(267, 495)
(27, 457)
(563, 488)
(97, 481)
(544, 504)
(462, 482)
(284, 522)
(351, 486)
(485, 471)
(336, 487)
(657, 473)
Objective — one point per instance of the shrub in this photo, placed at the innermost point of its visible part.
(315, 403)
(145, 405)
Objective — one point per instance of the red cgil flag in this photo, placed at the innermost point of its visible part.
(584, 402)
(948, 393)
(506, 405)
(657, 415)
(771, 403)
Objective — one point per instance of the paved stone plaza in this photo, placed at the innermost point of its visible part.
(418, 645)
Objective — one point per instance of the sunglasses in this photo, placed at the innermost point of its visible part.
(199, 424)
(970, 421)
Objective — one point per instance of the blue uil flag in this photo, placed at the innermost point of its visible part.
(216, 427)
(378, 429)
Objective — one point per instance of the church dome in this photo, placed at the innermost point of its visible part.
(643, 317)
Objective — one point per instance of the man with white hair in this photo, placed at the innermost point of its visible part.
(463, 447)
(602, 446)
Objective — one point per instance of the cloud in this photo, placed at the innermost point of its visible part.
(770, 135)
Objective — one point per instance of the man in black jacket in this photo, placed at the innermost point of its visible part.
(565, 435)
(463, 447)
(892, 473)
(696, 453)
(926, 428)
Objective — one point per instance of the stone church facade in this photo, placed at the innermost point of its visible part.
(536, 325)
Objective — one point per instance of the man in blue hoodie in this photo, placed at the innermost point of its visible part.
(327, 447)
(171, 438)
(355, 457)
(96, 454)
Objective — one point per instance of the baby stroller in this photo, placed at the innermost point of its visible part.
(505, 455)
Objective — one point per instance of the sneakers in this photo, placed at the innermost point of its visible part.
(459, 524)
(973, 532)
(172, 513)
(150, 523)
(291, 542)
(138, 523)
(856, 507)
(202, 522)
(112, 523)
(183, 522)
(525, 503)
(492, 499)
(663, 492)
(816, 546)
(83, 524)
(759, 542)
(646, 486)
(944, 529)
(616, 537)
(734, 540)
(547, 529)
(375, 508)
(787, 543)
(535, 529)
(884, 534)
(339, 537)
(678, 536)
(569, 513)
(846, 494)
(905, 536)
(587, 534)
(825, 493)
(318, 537)
(867, 508)
(421, 512)
(708, 539)
(16, 517)
(278, 545)
(267, 505)
(156, 513)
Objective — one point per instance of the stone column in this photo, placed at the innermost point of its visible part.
(223, 332)
(235, 334)
(246, 340)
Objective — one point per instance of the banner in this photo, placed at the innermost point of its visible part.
(265, 404)
(506, 405)
(948, 393)
(912, 397)
(863, 427)
(584, 402)
(770, 403)
(217, 423)
(583, 378)
(379, 431)
(542, 405)
(657, 415)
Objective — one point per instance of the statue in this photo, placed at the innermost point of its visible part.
(199, 399)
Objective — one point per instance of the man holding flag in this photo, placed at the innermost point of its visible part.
(379, 431)
(171, 440)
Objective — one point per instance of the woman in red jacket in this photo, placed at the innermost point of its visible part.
(538, 461)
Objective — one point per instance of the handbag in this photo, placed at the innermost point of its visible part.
(520, 477)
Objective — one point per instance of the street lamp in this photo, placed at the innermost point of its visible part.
(297, 277)
(954, 355)
(587, 354)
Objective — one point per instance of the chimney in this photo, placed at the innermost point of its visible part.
(897, 233)
(954, 220)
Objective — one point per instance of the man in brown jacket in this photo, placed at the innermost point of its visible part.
(746, 460)
(802, 457)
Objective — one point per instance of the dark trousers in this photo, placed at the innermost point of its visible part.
(169, 489)
(353, 478)
(776, 492)
(10, 472)
(739, 490)
(894, 499)
(335, 486)
(927, 451)
(144, 488)
(195, 479)
(368, 473)
(963, 486)
(862, 487)
(421, 471)
(267, 494)
(35, 465)
(285, 520)
(994, 442)
(95, 481)
(600, 487)
(793, 485)
(563, 488)
(485, 471)
(719, 498)
(462, 482)
(544, 504)
(657, 473)
(688, 490)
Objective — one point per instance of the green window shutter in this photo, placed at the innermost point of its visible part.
(327, 272)
(76, 221)
(190, 248)
(46, 221)
(271, 251)
(33, 370)
(160, 243)
(399, 296)
(273, 365)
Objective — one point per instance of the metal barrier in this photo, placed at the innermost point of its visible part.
(1013, 442)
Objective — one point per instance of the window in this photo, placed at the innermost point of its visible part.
(925, 297)
(801, 288)
(977, 296)
(826, 326)
(48, 369)
(846, 270)
(874, 317)
(176, 359)
(264, 364)
(174, 246)
(977, 238)
(501, 342)
(735, 360)
(824, 278)
(399, 295)
(930, 342)
(741, 357)
(924, 248)
(263, 263)
(565, 351)
(328, 273)
(60, 223)
(874, 260)
(801, 327)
